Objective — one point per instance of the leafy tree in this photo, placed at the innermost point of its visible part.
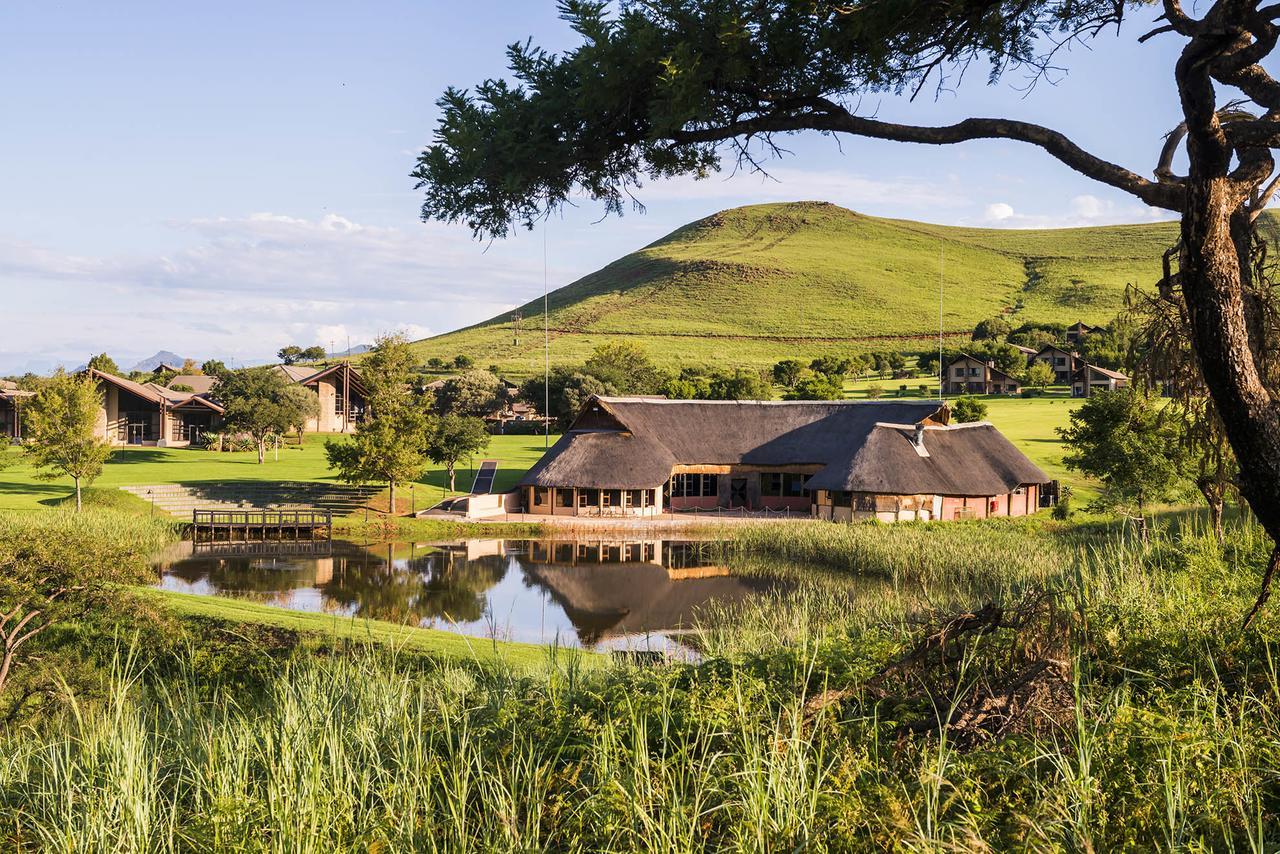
(626, 367)
(661, 88)
(190, 366)
(686, 387)
(1115, 346)
(214, 368)
(435, 363)
(897, 362)
(875, 391)
(453, 438)
(289, 355)
(261, 403)
(313, 353)
(569, 390)
(1040, 374)
(993, 328)
(1007, 357)
(787, 372)
(832, 367)
(181, 387)
(463, 362)
(1125, 440)
(62, 431)
(818, 387)
(390, 444)
(475, 393)
(967, 409)
(740, 385)
(1037, 338)
(106, 364)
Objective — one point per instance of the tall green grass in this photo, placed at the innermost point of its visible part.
(1174, 743)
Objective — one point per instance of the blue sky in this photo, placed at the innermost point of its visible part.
(221, 179)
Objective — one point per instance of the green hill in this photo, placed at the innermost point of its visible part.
(752, 285)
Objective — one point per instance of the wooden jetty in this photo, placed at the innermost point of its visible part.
(261, 525)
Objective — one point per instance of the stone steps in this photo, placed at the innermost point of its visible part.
(181, 499)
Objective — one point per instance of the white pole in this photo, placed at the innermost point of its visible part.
(546, 347)
(942, 371)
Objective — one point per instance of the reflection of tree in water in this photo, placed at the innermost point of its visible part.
(265, 576)
(436, 585)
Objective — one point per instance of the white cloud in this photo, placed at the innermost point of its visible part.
(245, 286)
(1082, 210)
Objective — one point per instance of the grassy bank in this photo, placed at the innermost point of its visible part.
(21, 490)
(1096, 694)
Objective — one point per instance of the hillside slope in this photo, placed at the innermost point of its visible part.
(755, 284)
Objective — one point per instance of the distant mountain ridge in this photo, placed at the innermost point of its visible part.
(165, 357)
(751, 285)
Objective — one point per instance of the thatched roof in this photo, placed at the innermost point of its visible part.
(620, 443)
(962, 459)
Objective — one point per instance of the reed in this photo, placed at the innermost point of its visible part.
(1173, 743)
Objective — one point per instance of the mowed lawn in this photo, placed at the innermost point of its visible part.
(20, 490)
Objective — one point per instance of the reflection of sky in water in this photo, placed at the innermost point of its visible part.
(574, 594)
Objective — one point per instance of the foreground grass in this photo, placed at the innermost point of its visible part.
(785, 736)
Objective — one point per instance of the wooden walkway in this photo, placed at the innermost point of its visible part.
(262, 525)
(483, 483)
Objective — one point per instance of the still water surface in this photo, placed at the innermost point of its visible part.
(600, 594)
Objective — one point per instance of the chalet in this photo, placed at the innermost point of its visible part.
(1077, 331)
(1065, 364)
(342, 393)
(838, 460)
(970, 375)
(1091, 378)
(11, 400)
(149, 414)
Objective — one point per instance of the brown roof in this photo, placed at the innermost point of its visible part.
(315, 376)
(295, 373)
(1115, 375)
(619, 443)
(962, 459)
(200, 383)
(153, 393)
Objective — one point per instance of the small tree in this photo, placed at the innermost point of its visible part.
(106, 364)
(788, 372)
(968, 409)
(475, 393)
(289, 355)
(626, 367)
(831, 366)
(994, 328)
(740, 385)
(875, 391)
(62, 431)
(462, 362)
(563, 396)
(214, 368)
(261, 403)
(312, 354)
(1040, 375)
(1125, 440)
(389, 445)
(818, 387)
(453, 438)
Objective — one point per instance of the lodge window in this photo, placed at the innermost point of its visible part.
(782, 484)
(865, 502)
(588, 497)
(973, 372)
(843, 498)
(539, 495)
(695, 485)
(565, 497)
(959, 372)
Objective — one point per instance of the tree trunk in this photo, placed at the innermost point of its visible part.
(452, 478)
(5, 664)
(1216, 266)
(79, 503)
(391, 504)
(262, 450)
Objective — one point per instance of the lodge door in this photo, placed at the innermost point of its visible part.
(738, 492)
(135, 433)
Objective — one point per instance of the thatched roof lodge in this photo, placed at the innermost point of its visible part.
(831, 459)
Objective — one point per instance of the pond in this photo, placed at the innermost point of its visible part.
(595, 594)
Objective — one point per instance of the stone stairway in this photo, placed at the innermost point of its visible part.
(179, 499)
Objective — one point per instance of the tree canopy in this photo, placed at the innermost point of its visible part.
(262, 403)
(62, 431)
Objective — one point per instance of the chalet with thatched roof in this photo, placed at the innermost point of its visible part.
(149, 414)
(11, 400)
(836, 460)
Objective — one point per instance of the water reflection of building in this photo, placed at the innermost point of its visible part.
(611, 589)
